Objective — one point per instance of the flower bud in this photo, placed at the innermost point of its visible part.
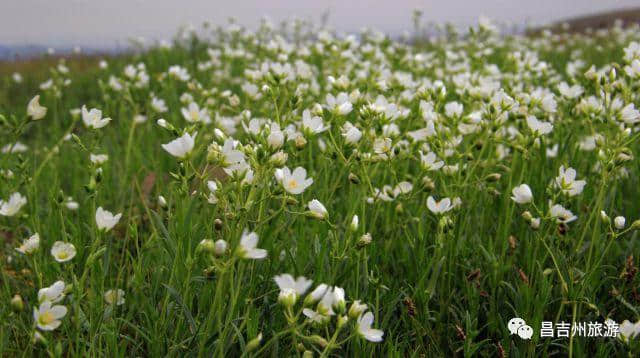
(16, 303)
(316, 339)
(220, 247)
(619, 222)
(428, 184)
(339, 302)
(635, 225)
(288, 297)
(300, 142)
(254, 343)
(162, 201)
(342, 320)
(493, 177)
(527, 216)
(356, 309)
(354, 223)
(217, 223)
(39, 338)
(315, 295)
(364, 240)
(604, 217)
(354, 178)
(206, 245)
(535, 223)
(278, 158)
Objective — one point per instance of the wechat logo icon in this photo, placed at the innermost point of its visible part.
(519, 326)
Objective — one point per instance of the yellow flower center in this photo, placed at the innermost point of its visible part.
(63, 255)
(46, 318)
(293, 184)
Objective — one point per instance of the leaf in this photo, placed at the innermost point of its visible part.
(187, 313)
(164, 233)
(435, 273)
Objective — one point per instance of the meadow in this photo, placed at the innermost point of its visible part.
(294, 191)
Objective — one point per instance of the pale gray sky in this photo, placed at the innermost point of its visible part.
(103, 23)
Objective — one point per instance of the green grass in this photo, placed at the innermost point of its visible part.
(438, 284)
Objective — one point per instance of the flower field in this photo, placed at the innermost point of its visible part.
(293, 191)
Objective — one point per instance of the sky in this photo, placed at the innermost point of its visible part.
(109, 23)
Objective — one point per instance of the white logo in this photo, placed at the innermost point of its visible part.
(519, 326)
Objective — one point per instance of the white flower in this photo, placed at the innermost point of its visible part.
(35, 110)
(105, 220)
(339, 104)
(158, 105)
(539, 127)
(364, 328)
(296, 182)
(339, 302)
(30, 245)
(314, 316)
(629, 114)
(619, 222)
(311, 124)
(16, 147)
(439, 207)
(522, 194)
(114, 297)
(561, 214)
(139, 118)
(382, 146)
(234, 160)
(11, 207)
(351, 133)
(48, 317)
(429, 161)
(566, 181)
(317, 210)
(194, 114)
(179, 72)
(181, 147)
(63, 251)
(629, 330)
(98, 159)
(572, 92)
(291, 289)
(453, 109)
(53, 293)
(17, 77)
(325, 306)
(247, 248)
(93, 119)
(213, 187)
(71, 204)
(423, 133)
(276, 136)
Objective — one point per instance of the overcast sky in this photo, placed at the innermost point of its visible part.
(105, 23)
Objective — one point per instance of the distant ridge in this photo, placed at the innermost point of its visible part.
(25, 52)
(601, 20)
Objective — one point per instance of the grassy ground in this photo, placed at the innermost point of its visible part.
(438, 282)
